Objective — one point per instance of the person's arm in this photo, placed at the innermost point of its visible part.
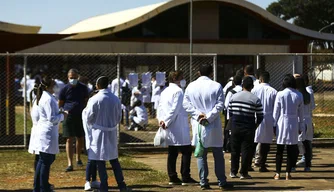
(277, 109)
(219, 106)
(190, 108)
(259, 112)
(227, 100)
(171, 112)
(62, 98)
(52, 112)
(301, 116)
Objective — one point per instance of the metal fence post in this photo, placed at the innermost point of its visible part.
(294, 64)
(25, 103)
(119, 89)
(257, 61)
(215, 68)
(176, 63)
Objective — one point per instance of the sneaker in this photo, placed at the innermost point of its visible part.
(69, 168)
(206, 187)
(232, 175)
(301, 163)
(79, 163)
(175, 181)
(263, 169)
(189, 181)
(257, 165)
(52, 187)
(87, 186)
(277, 176)
(95, 185)
(245, 176)
(293, 169)
(226, 186)
(288, 176)
(307, 169)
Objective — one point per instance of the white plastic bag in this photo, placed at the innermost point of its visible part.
(160, 138)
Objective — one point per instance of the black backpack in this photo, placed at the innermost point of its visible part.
(126, 95)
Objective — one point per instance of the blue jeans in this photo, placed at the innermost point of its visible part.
(203, 170)
(118, 173)
(91, 170)
(101, 166)
(41, 178)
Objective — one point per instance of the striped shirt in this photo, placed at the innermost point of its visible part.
(244, 107)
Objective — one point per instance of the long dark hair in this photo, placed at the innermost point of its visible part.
(300, 86)
(33, 91)
(45, 83)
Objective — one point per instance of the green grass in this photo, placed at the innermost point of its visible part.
(16, 172)
(323, 127)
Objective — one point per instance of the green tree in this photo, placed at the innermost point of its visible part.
(310, 14)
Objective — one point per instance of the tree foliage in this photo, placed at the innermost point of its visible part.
(311, 14)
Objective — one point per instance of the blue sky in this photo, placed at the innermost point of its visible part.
(57, 15)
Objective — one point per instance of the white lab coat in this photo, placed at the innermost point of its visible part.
(228, 85)
(141, 117)
(175, 117)
(308, 115)
(288, 116)
(34, 117)
(114, 87)
(229, 95)
(264, 133)
(100, 119)
(48, 123)
(135, 97)
(205, 96)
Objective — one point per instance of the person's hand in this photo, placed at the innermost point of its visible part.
(203, 122)
(201, 116)
(162, 124)
(65, 113)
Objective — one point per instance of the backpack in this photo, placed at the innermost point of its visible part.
(126, 95)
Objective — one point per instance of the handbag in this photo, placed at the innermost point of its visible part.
(199, 150)
(160, 138)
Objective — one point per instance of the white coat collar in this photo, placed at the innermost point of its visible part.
(265, 84)
(173, 85)
(104, 91)
(204, 78)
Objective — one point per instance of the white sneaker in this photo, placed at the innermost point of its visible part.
(87, 186)
(301, 163)
(95, 185)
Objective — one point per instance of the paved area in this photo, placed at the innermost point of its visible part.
(321, 177)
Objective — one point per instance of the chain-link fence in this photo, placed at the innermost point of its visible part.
(19, 72)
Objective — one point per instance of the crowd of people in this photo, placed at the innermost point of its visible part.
(255, 114)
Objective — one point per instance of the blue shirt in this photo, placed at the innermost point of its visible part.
(74, 98)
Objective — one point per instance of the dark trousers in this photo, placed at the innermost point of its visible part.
(264, 150)
(118, 173)
(253, 154)
(91, 170)
(101, 167)
(173, 152)
(36, 161)
(292, 155)
(41, 178)
(308, 152)
(242, 141)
